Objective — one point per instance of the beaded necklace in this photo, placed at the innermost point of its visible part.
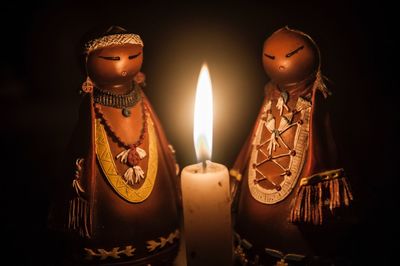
(120, 101)
(132, 153)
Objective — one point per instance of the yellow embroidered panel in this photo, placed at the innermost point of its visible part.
(109, 168)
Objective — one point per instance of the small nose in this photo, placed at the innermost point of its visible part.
(281, 68)
(124, 73)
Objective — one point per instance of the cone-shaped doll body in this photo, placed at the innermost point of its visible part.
(291, 184)
(117, 199)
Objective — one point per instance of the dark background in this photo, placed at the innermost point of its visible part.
(40, 75)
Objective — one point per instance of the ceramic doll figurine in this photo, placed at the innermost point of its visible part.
(118, 202)
(291, 187)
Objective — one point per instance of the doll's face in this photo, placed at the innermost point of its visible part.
(289, 57)
(114, 65)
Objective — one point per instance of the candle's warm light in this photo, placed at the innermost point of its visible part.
(206, 191)
(203, 116)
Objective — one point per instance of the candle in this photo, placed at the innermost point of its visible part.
(205, 191)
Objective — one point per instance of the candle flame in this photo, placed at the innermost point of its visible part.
(203, 116)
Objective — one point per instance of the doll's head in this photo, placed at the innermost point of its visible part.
(290, 56)
(114, 59)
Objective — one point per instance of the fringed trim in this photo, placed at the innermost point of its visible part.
(317, 191)
(78, 216)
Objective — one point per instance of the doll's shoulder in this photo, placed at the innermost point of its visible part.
(269, 88)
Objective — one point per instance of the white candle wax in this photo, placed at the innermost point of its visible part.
(207, 215)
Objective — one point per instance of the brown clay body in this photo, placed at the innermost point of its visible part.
(289, 57)
(113, 69)
(122, 232)
(271, 175)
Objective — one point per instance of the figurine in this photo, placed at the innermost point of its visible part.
(291, 187)
(118, 200)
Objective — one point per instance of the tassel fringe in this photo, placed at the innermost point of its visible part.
(78, 216)
(329, 188)
(136, 171)
(142, 153)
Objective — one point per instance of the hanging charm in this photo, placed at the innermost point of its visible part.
(140, 79)
(131, 157)
(281, 104)
(139, 175)
(87, 86)
(123, 156)
(126, 112)
(273, 142)
(142, 153)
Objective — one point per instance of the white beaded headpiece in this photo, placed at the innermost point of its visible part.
(114, 39)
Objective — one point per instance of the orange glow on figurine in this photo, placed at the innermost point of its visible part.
(123, 202)
(289, 57)
(290, 184)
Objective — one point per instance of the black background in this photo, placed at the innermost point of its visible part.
(40, 74)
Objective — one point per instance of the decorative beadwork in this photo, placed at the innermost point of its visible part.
(114, 39)
(120, 101)
(132, 154)
(267, 149)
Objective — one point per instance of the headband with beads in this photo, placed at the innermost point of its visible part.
(105, 41)
(114, 39)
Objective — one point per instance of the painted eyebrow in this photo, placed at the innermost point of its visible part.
(295, 51)
(114, 58)
(269, 56)
(135, 55)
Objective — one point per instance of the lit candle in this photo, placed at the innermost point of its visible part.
(205, 191)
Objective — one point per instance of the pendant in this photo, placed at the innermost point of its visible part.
(126, 112)
(109, 168)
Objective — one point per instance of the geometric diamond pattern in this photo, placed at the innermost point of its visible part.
(280, 191)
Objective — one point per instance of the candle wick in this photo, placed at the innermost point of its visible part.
(204, 164)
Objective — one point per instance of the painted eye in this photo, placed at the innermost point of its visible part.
(112, 58)
(269, 56)
(135, 55)
(295, 51)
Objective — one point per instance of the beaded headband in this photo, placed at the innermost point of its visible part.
(114, 39)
